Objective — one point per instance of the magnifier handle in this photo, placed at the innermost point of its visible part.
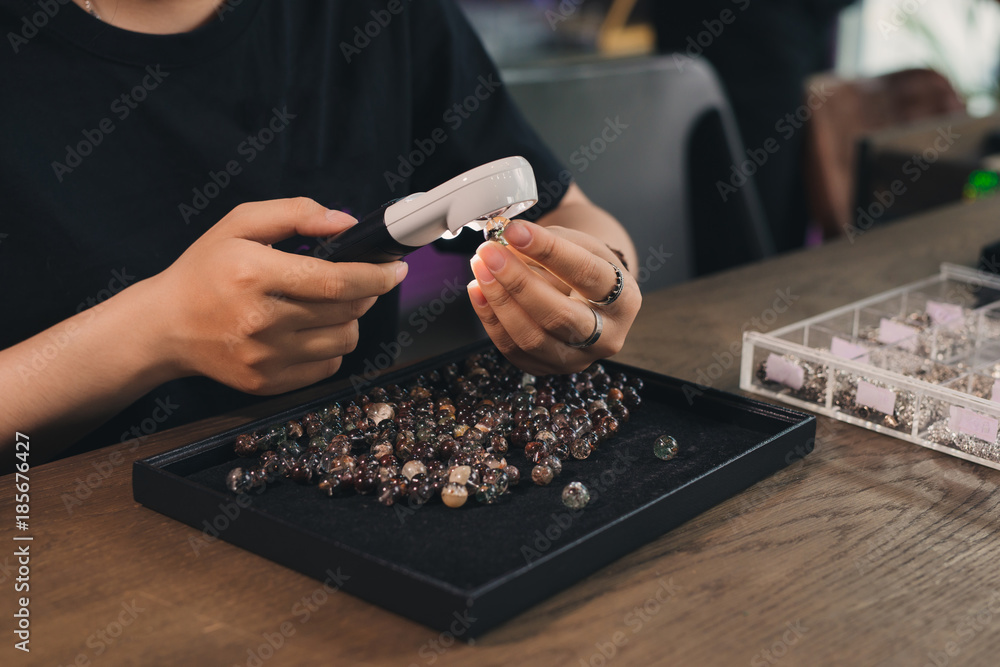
(367, 241)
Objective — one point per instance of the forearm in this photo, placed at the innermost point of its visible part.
(72, 377)
(579, 213)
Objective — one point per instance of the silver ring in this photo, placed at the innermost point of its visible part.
(616, 291)
(598, 330)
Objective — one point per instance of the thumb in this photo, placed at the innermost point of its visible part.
(271, 221)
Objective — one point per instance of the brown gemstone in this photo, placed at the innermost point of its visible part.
(245, 445)
(541, 475)
(454, 495)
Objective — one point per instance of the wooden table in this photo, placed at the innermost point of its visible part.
(871, 551)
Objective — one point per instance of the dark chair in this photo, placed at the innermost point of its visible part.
(653, 141)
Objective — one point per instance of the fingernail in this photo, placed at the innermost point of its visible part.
(401, 271)
(340, 217)
(483, 274)
(517, 234)
(493, 256)
(476, 295)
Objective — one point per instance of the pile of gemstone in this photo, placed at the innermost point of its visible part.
(465, 430)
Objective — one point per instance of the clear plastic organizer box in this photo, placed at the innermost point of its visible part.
(921, 363)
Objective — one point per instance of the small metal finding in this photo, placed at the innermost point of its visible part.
(493, 231)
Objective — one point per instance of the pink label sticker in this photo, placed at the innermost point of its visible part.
(846, 350)
(972, 423)
(944, 313)
(891, 332)
(876, 398)
(995, 395)
(779, 369)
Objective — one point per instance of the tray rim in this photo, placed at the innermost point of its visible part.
(792, 425)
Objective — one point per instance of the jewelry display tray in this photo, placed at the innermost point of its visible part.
(920, 363)
(467, 570)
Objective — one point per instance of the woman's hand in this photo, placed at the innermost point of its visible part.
(533, 297)
(258, 319)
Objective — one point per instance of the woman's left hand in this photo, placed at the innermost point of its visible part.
(533, 297)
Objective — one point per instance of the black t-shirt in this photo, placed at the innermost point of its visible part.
(120, 149)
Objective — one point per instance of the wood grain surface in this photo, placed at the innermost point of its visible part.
(871, 551)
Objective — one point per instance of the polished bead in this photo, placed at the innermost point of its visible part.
(331, 484)
(541, 475)
(245, 445)
(421, 491)
(379, 412)
(535, 451)
(575, 496)
(366, 482)
(488, 494)
(381, 449)
(459, 474)
(498, 444)
(238, 480)
(454, 495)
(300, 473)
(392, 490)
(513, 475)
(547, 437)
(580, 449)
(340, 444)
(553, 462)
(294, 429)
(665, 447)
(411, 468)
(501, 480)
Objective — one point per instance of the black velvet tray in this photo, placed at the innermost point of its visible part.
(467, 570)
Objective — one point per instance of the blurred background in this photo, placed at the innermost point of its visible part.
(835, 116)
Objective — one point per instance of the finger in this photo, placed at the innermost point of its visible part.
(300, 375)
(585, 270)
(311, 279)
(299, 315)
(271, 221)
(522, 328)
(503, 341)
(567, 319)
(322, 343)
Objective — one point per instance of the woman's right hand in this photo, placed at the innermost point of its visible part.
(258, 319)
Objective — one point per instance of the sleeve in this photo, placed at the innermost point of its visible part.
(457, 90)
